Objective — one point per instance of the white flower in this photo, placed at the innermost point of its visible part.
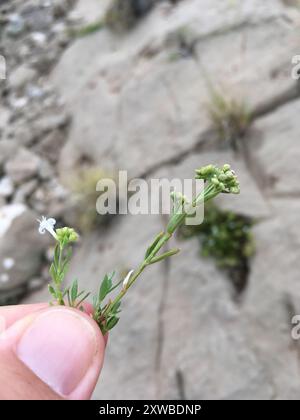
(127, 278)
(47, 224)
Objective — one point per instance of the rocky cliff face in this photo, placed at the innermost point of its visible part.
(139, 101)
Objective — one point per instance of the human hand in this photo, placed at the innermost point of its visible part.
(48, 353)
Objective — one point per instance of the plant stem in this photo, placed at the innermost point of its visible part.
(176, 220)
(57, 277)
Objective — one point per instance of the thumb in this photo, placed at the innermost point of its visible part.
(54, 353)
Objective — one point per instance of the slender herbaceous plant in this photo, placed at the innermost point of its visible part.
(106, 307)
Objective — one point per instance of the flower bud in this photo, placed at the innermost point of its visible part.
(235, 190)
(66, 235)
(215, 181)
(222, 177)
(206, 171)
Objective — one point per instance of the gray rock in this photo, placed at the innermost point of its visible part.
(288, 209)
(23, 166)
(37, 19)
(38, 38)
(2, 201)
(88, 11)
(8, 149)
(34, 92)
(60, 8)
(46, 171)
(21, 248)
(269, 304)
(18, 103)
(274, 150)
(6, 187)
(137, 133)
(25, 190)
(50, 145)
(22, 133)
(50, 122)
(4, 118)
(20, 77)
(49, 195)
(45, 61)
(211, 349)
(142, 7)
(16, 25)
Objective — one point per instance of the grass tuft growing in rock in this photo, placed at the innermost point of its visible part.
(83, 187)
(230, 118)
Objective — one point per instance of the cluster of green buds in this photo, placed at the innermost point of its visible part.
(224, 179)
(66, 236)
(106, 309)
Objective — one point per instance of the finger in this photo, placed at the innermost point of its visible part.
(61, 346)
(11, 314)
(20, 383)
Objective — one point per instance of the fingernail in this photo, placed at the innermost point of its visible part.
(59, 347)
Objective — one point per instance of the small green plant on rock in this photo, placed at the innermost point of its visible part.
(227, 238)
(183, 44)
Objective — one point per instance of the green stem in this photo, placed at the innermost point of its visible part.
(60, 300)
(176, 220)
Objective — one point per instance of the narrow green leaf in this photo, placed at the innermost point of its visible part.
(83, 299)
(95, 302)
(111, 323)
(115, 308)
(105, 287)
(74, 291)
(164, 256)
(53, 273)
(65, 292)
(52, 291)
(116, 285)
(153, 245)
(80, 294)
